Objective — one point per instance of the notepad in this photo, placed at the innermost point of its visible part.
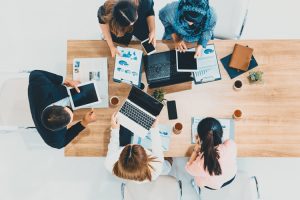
(241, 57)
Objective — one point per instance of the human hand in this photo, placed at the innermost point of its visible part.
(114, 121)
(71, 83)
(154, 125)
(114, 51)
(88, 118)
(195, 154)
(198, 52)
(152, 38)
(180, 46)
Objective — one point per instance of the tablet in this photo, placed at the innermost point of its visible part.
(87, 97)
(186, 62)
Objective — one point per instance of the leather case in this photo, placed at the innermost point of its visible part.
(241, 57)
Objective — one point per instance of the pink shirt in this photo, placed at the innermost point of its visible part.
(227, 161)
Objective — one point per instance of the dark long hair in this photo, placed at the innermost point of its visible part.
(120, 15)
(210, 133)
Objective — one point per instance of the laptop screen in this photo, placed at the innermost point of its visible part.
(145, 101)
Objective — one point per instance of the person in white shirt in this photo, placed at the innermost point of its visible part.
(133, 162)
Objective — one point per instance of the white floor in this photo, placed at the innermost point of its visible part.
(33, 35)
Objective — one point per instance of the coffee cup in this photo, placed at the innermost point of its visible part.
(237, 85)
(177, 128)
(237, 114)
(114, 101)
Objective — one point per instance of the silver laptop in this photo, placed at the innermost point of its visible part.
(139, 112)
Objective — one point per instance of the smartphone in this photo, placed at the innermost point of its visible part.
(149, 48)
(172, 111)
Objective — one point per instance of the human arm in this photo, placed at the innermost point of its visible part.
(107, 36)
(208, 28)
(179, 43)
(114, 144)
(74, 130)
(151, 26)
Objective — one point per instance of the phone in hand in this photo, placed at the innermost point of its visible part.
(172, 111)
(148, 47)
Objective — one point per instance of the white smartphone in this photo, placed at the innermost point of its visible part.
(148, 47)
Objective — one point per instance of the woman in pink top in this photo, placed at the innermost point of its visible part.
(213, 163)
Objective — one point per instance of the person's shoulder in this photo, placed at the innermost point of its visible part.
(230, 146)
(229, 143)
(212, 16)
(169, 9)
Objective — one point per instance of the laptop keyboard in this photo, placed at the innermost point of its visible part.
(161, 71)
(137, 115)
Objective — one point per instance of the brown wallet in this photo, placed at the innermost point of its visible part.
(241, 57)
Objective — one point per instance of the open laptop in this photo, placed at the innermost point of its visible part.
(161, 70)
(139, 112)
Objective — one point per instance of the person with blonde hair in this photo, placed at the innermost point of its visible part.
(134, 162)
(121, 19)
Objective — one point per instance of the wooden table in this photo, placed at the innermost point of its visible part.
(271, 110)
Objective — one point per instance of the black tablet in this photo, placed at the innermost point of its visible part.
(87, 97)
(186, 62)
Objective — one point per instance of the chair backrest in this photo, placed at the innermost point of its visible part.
(240, 189)
(14, 106)
(164, 188)
(231, 17)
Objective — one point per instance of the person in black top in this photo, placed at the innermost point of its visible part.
(121, 19)
(48, 99)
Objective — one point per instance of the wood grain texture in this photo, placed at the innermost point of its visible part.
(270, 126)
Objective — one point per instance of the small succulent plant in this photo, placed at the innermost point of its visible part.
(255, 76)
(159, 94)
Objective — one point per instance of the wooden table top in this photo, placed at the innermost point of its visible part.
(270, 126)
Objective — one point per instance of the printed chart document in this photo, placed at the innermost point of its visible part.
(227, 125)
(128, 66)
(207, 65)
(93, 69)
(165, 134)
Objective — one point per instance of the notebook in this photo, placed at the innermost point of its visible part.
(241, 57)
(208, 67)
(227, 125)
(93, 69)
(128, 66)
(233, 72)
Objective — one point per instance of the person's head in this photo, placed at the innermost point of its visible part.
(193, 11)
(122, 16)
(210, 133)
(134, 163)
(56, 117)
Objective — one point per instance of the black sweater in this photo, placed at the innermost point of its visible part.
(44, 89)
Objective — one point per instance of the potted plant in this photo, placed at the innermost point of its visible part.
(255, 76)
(159, 95)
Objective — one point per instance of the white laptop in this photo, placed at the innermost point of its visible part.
(139, 112)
